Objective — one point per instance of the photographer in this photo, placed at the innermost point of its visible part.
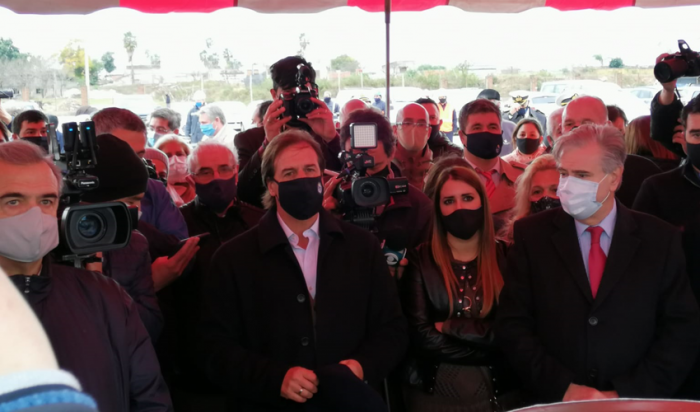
(251, 144)
(93, 325)
(31, 125)
(405, 221)
(122, 178)
(666, 110)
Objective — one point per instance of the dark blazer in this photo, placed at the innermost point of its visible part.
(663, 120)
(639, 336)
(250, 183)
(259, 320)
(637, 170)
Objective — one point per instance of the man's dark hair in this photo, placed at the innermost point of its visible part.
(262, 109)
(284, 72)
(427, 100)
(29, 116)
(475, 107)
(113, 118)
(615, 112)
(385, 134)
(693, 107)
(171, 116)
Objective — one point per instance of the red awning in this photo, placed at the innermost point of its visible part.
(311, 6)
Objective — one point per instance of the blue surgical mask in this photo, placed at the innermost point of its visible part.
(578, 197)
(207, 129)
(198, 105)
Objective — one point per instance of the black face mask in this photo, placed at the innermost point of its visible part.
(434, 132)
(327, 99)
(301, 198)
(528, 146)
(484, 145)
(543, 204)
(443, 101)
(693, 153)
(40, 141)
(218, 194)
(464, 223)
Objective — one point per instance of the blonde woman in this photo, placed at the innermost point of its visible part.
(536, 191)
(450, 294)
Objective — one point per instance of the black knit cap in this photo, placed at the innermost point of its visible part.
(121, 172)
(489, 94)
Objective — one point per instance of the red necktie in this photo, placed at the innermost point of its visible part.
(490, 186)
(596, 259)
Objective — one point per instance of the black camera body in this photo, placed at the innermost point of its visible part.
(85, 229)
(7, 94)
(360, 195)
(684, 63)
(298, 104)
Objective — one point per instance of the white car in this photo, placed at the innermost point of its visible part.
(544, 102)
(646, 94)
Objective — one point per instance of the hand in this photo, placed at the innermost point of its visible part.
(165, 270)
(271, 122)
(397, 271)
(438, 326)
(355, 367)
(668, 93)
(330, 203)
(515, 108)
(582, 393)
(321, 121)
(299, 379)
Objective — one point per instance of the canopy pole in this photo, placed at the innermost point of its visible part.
(387, 20)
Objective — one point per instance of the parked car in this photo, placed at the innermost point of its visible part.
(646, 94)
(610, 93)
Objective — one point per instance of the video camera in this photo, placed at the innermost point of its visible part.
(7, 94)
(298, 104)
(85, 229)
(684, 63)
(360, 195)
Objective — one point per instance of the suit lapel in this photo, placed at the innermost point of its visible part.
(566, 244)
(622, 250)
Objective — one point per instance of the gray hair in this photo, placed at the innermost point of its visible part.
(208, 147)
(23, 153)
(608, 138)
(173, 138)
(111, 118)
(171, 116)
(553, 120)
(213, 112)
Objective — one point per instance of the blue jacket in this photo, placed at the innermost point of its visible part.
(192, 128)
(158, 209)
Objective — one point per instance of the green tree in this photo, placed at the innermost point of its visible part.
(154, 59)
(303, 43)
(345, 63)
(130, 45)
(210, 59)
(429, 67)
(616, 63)
(8, 51)
(599, 57)
(72, 57)
(108, 62)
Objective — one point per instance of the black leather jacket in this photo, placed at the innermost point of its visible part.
(465, 339)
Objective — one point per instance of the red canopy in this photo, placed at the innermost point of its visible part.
(308, 6)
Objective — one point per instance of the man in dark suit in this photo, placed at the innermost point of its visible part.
(298, 296)
(592, 110)
(596, 303)
(251, 144)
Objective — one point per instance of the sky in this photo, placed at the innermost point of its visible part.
(537, 39)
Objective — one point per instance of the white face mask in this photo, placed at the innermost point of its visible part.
(177, 169)
(28, 237)
(413, 139)
(578, 197)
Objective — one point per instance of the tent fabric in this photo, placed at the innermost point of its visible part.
(312, 6)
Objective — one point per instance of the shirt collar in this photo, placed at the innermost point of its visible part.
(292, 237)
(608, 224)
(496, 168)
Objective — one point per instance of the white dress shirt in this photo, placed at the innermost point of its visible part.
(307, 258)
(584, 237)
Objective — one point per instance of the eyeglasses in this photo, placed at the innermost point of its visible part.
(409, 125)
(159, 129)
(207, 175)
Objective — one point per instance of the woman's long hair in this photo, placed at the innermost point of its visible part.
(638, 140)
(489, 281)
(523, 186)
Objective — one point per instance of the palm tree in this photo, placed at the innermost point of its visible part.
(599, 57)
(130, 46)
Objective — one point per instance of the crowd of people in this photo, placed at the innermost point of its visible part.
(254, 279)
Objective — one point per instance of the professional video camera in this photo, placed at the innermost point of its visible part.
(7, 94)
(684, 63)
(360, 195)
(298, 103)
(85, 229)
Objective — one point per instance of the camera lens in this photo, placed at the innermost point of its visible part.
(305, 105)
(368, 189)
(90, 225)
